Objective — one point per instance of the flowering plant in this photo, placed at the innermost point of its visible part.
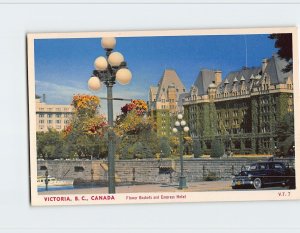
(140, 107)
(85, 104)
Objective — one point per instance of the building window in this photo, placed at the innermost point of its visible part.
(41, 115)
(57, 115)
(49, 121)
(58, 121)
(49, 115)
(41, 121)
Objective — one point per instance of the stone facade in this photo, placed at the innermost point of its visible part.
(148, 171)
(51, 115)
(241, 111)
(163, 101)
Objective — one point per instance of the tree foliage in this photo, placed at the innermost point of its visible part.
(217, 149)
(197, 148)
(49, 144)
(83, 137)
(165, 148)
(285, 133)
(133, 126)
(284, 43)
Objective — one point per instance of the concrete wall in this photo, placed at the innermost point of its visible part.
(147, 171)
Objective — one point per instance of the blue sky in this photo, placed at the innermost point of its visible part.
(63, 66)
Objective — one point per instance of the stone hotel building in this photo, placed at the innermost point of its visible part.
(241, 110)
(51, 115)
(164, 99)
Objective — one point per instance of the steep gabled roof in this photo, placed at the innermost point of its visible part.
(205, 77)
(236, 77)
(169, 77)
(274, 68)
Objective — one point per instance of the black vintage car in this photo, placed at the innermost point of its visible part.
(263, 174)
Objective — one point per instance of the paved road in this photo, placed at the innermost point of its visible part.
(192, 187)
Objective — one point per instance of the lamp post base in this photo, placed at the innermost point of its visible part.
(182, 182)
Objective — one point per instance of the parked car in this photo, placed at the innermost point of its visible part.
(263, 174)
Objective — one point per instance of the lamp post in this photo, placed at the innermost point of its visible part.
(180, 127)
(108, 70)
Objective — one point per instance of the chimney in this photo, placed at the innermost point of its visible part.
(264, 65)
(218, 77)
(44, 98)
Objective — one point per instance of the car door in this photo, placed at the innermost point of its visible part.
(281, 172)
(264, 172)
(272, 174)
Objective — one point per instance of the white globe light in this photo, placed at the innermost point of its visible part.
(177, 123)
(179, 116)
(100, 63)
(175, 130)
(108, 42)
(115, 59)
(186, 129)
(123, 76)
(94, 83)
(183, 123)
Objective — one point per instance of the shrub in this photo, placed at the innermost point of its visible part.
(217, 149)
(165, 147)
(211, 176)
(197, 148)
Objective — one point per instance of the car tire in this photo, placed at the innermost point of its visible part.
(257, 183)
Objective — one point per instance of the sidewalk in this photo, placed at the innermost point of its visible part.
(192, 187)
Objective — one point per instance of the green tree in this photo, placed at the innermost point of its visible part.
(133, 126)
(49, 144)
(217, 149)
(84, 136)
(165, 147)
(285, 133)
(197, 148)
(284, 43)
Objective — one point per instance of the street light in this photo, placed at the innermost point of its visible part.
(108, 70)
(180, 126)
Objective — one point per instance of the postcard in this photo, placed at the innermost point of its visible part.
(170, 116)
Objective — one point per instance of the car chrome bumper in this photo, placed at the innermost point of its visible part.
(241, 182)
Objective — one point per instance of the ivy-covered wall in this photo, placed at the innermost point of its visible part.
(163, 122)
(244, 126)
